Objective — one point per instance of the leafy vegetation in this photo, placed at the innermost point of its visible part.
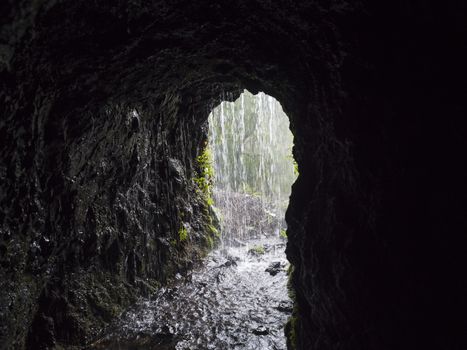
(210, 242)
(205, 173)
(182, 233)
(214, 231)
(295, 167)
(257, 250)
(283, 233)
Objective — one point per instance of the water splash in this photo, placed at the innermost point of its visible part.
(231, 302)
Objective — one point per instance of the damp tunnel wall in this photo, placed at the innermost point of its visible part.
(103, 112)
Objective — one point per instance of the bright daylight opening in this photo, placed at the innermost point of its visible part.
(237, 298)
(251, 149)
(254, 169)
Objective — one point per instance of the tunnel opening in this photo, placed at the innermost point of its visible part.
(92, 207)
(250, 143)
(252, 168)
(238, 296)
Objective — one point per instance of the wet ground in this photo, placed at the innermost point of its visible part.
(231, 302)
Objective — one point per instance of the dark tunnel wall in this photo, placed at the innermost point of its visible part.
(92, 195)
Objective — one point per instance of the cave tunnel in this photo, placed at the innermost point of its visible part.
(95, 99)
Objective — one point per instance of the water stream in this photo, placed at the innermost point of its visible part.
(231, 302)
(237, 298)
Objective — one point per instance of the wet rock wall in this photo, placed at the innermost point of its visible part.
(90, 190)
(94, 206)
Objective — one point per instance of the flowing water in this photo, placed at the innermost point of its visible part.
(231, 302)
(253, 165)
(237, 298)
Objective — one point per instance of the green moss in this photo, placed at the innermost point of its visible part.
(257, 249)
(182, 233)
(295, 168)
(283, 233)
(204, 182)
(214, 231)
(212, 236)
(205, 174)
(210, 242)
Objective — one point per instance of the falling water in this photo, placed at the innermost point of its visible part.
(238, 298)
(252, 154)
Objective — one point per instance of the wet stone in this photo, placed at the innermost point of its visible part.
(229, 304)
(275, 267)
(261, 330)
(285, 306)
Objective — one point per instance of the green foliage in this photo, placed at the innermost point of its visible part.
(283, 233)
(205, 174)
(295, 168)
(211, 236)
(257, 250)
(204, 180)
(214, 231)
(209, 201)
(210, 242)
(182, 233)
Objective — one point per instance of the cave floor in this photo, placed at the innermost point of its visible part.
(230, 302)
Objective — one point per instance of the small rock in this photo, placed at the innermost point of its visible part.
(231, 261)
(274, 268)
(285, 306)
(267, 247)
(261, 330)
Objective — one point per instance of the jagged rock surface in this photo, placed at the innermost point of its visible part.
(92, 195)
